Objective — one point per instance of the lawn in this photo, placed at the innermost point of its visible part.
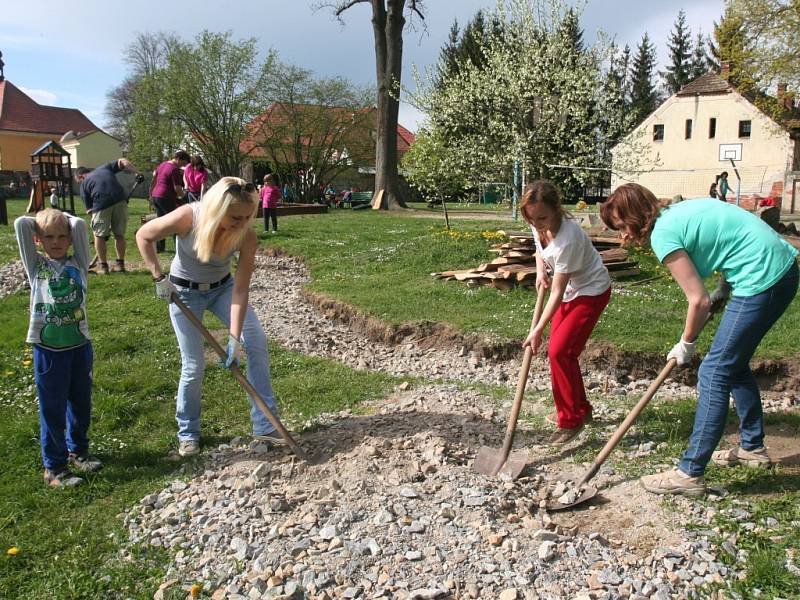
(67, 541)
(381, 264)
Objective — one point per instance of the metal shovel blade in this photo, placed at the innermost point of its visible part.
(489, 462)
(587, 494)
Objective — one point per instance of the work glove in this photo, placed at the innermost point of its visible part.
(682, 352)
(164, 288)
(234, 352)
(720, 295)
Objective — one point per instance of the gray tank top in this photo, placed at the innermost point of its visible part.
(186, 264)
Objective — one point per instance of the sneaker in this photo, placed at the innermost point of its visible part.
(188, 447)
(740, 456)
(103, 269)
(552, 418)
(119, 266)
(85, 462)
(674, 481)
(562, 435)
(273, 438)
(61, 478)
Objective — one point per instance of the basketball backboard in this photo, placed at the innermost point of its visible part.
(730, 152)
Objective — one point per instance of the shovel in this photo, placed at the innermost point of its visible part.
(491, 461)
(590, 492)
(237, 373)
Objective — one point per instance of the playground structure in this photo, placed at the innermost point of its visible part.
(51, 168)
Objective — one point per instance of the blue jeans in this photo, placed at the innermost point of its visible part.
(725, 371)
(190, 341)
(64, 386)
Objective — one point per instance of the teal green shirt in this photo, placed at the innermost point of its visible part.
(725, 238)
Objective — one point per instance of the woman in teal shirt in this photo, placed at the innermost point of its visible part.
(694, 239)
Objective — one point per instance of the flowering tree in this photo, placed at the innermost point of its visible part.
(537, 101)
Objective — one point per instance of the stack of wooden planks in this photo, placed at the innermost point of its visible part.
(516, 262)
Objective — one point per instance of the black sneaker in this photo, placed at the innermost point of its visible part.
(85, 462)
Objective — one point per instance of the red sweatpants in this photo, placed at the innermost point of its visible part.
(570, 329)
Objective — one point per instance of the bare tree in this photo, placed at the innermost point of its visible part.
(388, 22)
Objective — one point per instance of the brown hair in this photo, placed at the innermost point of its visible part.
(636, 206)
(541, 190)
(269, 178)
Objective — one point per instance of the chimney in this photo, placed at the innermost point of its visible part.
(725, 70)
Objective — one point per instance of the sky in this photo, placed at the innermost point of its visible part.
(70, 54)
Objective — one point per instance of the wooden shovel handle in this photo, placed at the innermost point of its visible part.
(237, 373)
(634, 414)
(511, 428)
(629, 420)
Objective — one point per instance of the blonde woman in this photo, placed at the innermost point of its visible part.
(208, 234)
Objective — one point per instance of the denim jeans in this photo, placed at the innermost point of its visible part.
(725, 371)
(190, 341)
(64, 386)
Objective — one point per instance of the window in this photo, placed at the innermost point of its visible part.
(658, 133)
(712, 128)
(745, 127)
(688, 130)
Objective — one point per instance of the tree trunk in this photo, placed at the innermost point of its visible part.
(387, 25)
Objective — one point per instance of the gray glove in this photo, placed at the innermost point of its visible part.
(720, 295)
(164, 288)
(682, 352)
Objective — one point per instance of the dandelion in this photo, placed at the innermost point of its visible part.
(195, 590)
(26, 362)
(12, 551)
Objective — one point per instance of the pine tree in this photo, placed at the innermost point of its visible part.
(677, 73)
(700, 62)
(731, 47)
(643, 91)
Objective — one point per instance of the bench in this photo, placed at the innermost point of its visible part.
(358, 200)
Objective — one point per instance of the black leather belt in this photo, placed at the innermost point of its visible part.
(203, 287)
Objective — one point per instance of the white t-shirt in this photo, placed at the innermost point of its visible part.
(572, 252)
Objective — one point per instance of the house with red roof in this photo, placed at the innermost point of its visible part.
(313, 145)
(25, 125)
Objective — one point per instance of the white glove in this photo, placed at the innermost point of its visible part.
(164, 288)
(682, 352)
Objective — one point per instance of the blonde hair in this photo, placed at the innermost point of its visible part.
(50, 218)
(208, 239)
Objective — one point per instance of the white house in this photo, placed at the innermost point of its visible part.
(691, 137)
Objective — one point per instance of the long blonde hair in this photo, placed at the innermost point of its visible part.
(208, 240)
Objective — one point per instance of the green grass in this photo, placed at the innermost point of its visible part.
(68, 540)
(381, 264)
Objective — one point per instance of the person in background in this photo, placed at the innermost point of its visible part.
(104, 199)
(270, 195)
(62, 347)
(53, 198)
(712, 191)
(580, 288)
(195, 178)
(759, 270)
(168, 188)
(722, 186)
(208, 234)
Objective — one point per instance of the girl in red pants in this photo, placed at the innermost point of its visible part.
(580, 288)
